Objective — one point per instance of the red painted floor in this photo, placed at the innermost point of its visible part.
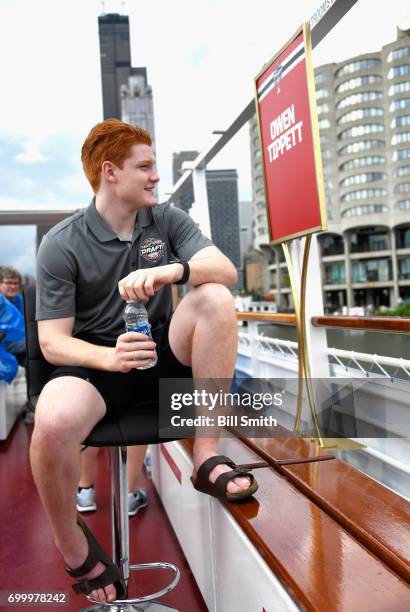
(29, 561)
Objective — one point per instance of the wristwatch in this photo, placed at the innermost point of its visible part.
(186, 272)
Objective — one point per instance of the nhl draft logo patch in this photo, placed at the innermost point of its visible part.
(152, 249)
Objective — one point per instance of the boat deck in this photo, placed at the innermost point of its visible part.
(29, 561)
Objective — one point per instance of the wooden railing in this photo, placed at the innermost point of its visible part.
(276, 318)
(379, 324)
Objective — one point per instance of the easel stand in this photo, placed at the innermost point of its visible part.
(298, 281)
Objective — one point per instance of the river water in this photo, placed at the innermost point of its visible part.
(379, 343)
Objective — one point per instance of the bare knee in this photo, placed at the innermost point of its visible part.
(215, 301)
(66, 414)
(53, 426)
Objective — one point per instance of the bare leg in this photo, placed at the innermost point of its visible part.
(203, 334)
(67, 410)
(136, 455)
(88, 462)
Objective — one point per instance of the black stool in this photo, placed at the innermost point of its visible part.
(117, 432)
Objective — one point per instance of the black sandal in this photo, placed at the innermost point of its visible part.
(111, 574)
(218, 488)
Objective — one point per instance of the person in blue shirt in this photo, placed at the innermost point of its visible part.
(12, 314)
(11, 335)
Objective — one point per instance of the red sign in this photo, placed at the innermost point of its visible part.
(289, 132)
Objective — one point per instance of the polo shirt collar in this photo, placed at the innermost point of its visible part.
(144, 217)
(97, 224)
(103, 232)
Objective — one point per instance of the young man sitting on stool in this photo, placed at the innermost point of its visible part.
(88, 266)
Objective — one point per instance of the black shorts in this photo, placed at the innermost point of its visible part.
(131, 398)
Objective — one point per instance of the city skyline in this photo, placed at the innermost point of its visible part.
(201, 83)
(195, 74)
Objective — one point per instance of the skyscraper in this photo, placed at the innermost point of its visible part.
(137, 106)
(126, 92)
(222, 189)
(245, 222)
(114, 32)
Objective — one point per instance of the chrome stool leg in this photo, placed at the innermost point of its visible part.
(120, 546)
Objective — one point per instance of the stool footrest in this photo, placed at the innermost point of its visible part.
(151, 606)
(151, 597)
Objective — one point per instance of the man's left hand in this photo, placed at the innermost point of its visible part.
(143, 284)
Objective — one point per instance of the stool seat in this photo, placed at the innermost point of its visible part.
(138, 424)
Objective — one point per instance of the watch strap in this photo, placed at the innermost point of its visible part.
(185, 273)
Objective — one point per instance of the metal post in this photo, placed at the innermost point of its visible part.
(119, 509)
(313, 358)
(395, 292)
(200, 207)
(348, 269)
(120, 546)
(255, 363)
(315, 336)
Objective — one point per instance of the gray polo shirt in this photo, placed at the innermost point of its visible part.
(81, 260)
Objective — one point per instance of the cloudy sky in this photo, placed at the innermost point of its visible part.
(201, 58)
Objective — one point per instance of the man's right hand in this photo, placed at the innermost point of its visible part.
(133, 350)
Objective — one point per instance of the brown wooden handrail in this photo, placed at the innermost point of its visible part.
(379, 324)
(399, 325)
(273, 317)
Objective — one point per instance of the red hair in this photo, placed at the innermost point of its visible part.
(110, 140)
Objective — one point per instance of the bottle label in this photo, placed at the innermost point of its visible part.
(142, 328)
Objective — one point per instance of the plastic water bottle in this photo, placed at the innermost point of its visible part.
(136, 320)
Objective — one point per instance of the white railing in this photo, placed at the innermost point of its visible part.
(350, 362)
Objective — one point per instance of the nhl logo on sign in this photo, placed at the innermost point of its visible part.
(152, 249)
(277, 74)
